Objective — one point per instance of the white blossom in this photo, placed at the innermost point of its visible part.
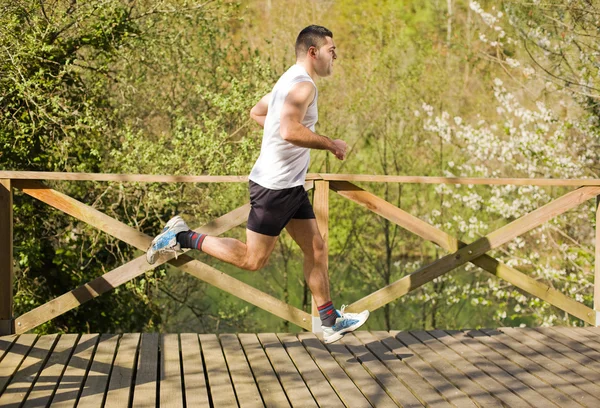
(512, 63)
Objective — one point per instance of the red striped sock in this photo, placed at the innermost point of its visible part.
(191, 239)
(328, 314)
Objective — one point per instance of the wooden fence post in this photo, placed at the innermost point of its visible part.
(6, 258)
(321, 208)
(597, 263)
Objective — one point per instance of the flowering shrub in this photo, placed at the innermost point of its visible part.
(551, 139)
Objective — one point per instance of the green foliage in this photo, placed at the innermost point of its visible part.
(165, 88)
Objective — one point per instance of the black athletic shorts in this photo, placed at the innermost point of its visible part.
(273, 209)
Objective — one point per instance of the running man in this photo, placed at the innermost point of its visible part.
(278, 200)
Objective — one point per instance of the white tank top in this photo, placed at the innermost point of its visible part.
(282, 164)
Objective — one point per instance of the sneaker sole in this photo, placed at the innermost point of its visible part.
(151, 259)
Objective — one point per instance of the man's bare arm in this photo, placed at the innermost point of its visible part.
(259, 111)
(291, 128)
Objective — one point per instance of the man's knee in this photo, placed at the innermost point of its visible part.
(256, 263)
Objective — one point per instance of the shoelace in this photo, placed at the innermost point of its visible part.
(165, 250)
(169, 250)
(342, 310)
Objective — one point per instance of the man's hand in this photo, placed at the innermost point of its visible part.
(339, 149)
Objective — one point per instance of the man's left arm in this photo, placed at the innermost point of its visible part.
(259, 111)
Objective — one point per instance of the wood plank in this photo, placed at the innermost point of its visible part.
(569, 348)
(591, 331)
(451, 244)
(96, 383)
(500, 383)
(243, 291)
(411, 357)
(318, 385)
(460, 180)
(535, 288)
(493, 389)
(219, 382)
(268, 383)
(6, 257)
(296, 390)
(396, 215)
(582, 334)
(242, 377)
(141, 241)
(116, 277)
(146, 379)
(474, 250)
(171, 394)
(117, 229)
(591, 345)
(479, 395)
(121, 378)
(49, 379)
(597, 263)
(543, 392)
(82, 294)
(537, 364)
(85, 213)
(321, 209)
(339, 380)
(152, 178)
(561, 362)
(70, 385)
(375, 381)
(196, 392)
(389, 370)
(29, 370)
(526, 223)
(143, 178)
(6, 343)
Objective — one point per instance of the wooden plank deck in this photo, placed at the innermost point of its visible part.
(524, 367)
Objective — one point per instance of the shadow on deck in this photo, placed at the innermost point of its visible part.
(487, 368)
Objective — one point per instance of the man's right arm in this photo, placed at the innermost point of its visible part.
(293, 131)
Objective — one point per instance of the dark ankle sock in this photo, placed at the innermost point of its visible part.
(191, 239)
(328, 314)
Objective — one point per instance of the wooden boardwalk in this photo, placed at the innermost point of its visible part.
(489, 368)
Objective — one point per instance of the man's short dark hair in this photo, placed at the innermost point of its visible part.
(311, 36)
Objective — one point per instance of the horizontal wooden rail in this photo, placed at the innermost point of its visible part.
(151, 178)
(458, 252)
(461, 180)
(145, 178)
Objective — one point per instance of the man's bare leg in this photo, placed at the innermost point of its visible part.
(307, 236)
(251, 255)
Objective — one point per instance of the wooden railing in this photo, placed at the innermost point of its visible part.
(459, 253)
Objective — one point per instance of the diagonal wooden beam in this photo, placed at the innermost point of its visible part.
(446, 241)
(80, 295)
(141, 241)
(114, 278)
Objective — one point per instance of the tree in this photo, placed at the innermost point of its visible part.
(66, 66)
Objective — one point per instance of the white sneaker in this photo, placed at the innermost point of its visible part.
(346, 323)
(166, 241)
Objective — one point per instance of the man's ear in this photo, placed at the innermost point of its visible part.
(312, 52)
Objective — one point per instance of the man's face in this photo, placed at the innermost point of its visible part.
(324, 58)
